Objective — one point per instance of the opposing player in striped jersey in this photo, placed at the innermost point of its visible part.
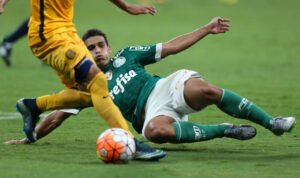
(158, 107)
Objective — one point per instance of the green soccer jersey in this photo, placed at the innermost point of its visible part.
(128, 82)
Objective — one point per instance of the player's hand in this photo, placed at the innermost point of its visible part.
(140, 9)
(218, 25)
(17, 142)
(2, 4)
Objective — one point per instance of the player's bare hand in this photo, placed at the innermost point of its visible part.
(140, 9)
(17, 142)
(2, 4)
(218, 25)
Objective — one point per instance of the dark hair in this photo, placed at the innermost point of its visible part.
(94, 32)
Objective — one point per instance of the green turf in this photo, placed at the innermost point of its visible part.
(258, 58)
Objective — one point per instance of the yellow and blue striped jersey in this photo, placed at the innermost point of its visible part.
(49, 17)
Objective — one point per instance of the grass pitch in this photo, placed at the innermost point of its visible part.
(258, 58)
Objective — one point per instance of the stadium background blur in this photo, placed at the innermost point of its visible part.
(258, 58)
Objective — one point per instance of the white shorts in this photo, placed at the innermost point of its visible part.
(167, 98)
(71, 111)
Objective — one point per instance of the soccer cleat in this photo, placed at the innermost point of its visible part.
(282, 124)
(240, 132)
(5, 51)
(30, 119)
(146, 153)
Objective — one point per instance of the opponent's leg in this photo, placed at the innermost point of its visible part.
(65, 99)
(6, 46)
(88, 72)
(30, 109)
(30, 113)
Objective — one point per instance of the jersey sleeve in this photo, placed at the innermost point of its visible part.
(145, 54)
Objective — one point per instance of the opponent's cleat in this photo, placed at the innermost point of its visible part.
(29, 119)
(5, 51)
(146, 153)
(240, 132)
(282, 124)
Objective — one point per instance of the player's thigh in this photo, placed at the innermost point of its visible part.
(160, 105)
(198, 93)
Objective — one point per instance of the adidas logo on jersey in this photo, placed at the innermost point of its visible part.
(121, 81)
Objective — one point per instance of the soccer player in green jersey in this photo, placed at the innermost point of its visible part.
(158, 107)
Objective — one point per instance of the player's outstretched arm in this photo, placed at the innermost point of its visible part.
(2, 4)
(134, 9)
(45, 127)
(215, 26)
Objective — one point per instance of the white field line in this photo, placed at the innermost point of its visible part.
(12, 115)
(9, 115)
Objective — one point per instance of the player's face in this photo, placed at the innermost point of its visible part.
(99, 50)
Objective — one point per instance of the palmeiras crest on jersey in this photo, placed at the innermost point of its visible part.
(108, 75)
(119, 62)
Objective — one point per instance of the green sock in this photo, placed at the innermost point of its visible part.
(186, 132)
(237, 106)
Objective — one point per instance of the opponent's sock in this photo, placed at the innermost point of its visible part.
(64, 99)
(186, 132)
(32, 106)
(237, 106)
(103, 103)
